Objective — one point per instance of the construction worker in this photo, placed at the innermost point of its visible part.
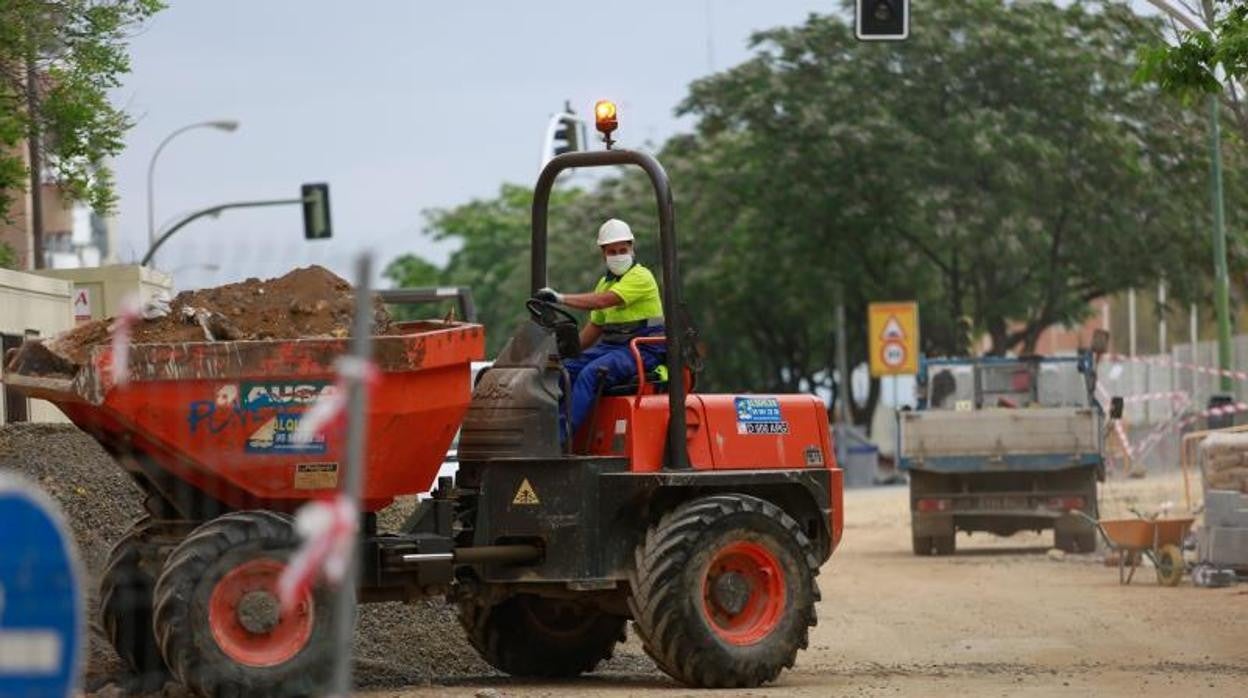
(625, 304)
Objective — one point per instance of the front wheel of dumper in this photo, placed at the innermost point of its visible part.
(218, 621)
(723, 591)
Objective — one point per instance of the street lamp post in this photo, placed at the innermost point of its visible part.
(226, 125)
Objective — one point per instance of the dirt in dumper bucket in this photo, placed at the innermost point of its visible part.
(307, 302)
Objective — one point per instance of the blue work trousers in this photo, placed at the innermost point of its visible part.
(585, 372)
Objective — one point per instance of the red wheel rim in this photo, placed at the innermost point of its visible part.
(279, 640)
(756, 604)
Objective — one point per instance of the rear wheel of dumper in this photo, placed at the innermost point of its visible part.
(723, 591)
(528, 635)
(218, 622)
(126, 605)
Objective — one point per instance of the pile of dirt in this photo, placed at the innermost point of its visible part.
(308, 302)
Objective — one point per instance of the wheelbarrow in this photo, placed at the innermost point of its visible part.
(1157, 539)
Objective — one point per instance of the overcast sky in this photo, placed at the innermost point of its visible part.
(401, 106)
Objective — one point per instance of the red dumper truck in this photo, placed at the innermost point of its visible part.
(670, 508)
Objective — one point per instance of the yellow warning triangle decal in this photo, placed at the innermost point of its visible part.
(525, 494)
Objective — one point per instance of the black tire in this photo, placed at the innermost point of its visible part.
(945, 545)
(1082, 540)
(922, 544)
(531, 636)
(674, 611)
(182, 621)
(126, 606)
(1170, 565)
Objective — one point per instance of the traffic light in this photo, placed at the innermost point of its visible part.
(316, 223)
(567, 135)
(882, 20)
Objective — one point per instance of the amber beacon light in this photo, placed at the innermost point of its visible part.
(605, 119)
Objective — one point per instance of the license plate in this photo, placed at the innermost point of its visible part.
(766, 427)
(1002, 503)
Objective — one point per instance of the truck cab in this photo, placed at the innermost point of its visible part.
(1003, 445)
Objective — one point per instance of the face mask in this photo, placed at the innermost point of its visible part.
(619, 263)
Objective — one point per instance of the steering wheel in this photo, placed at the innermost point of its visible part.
(548, 315)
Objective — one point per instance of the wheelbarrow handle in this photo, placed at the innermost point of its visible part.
(1095, 522)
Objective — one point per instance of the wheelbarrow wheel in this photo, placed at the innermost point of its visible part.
(217, 618)
(1170, 565)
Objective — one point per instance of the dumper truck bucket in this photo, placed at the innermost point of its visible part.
(216, 418)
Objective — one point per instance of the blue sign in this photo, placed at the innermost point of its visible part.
(758, 410)
(41, 610)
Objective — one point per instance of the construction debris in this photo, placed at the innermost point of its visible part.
(308, 302)
(1224, 461)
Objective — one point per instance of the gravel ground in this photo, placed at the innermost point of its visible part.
(98, 499)
(395, 644)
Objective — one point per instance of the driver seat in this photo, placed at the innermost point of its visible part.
(656, 384)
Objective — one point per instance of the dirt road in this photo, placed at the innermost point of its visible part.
(1001, 618)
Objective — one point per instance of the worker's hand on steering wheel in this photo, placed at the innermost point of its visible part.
(548, 295)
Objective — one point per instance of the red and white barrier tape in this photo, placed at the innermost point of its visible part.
(131, 312)
(1154, 437)
(1168, 362)
(331, 405)
(328, 530)
(1150, 397)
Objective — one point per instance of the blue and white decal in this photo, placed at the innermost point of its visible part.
(759, 415)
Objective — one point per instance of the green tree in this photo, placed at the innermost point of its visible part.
(412, 270)
(1006, 146)
(76, 52)
(492, 258)
(1003, 165)
(1208, 56)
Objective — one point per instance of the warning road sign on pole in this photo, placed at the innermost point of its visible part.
(893, 331)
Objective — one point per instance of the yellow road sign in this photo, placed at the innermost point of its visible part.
(893, 334)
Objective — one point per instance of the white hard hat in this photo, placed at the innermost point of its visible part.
(614, 230)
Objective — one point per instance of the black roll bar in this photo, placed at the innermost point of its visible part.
(674, 318)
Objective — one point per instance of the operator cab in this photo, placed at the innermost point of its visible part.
(651, 422)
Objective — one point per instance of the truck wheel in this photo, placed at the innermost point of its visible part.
(528, 635)
(723, 591)
(1077, 541)
(217, 618)
(922, 544)
(945, 545)
(126, 606)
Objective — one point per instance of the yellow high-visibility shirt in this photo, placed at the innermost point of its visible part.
(640, 293)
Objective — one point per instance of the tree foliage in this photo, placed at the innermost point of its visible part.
(1202, 60)
(493, 254)
(76, 49)
(1002, 165)
(1208, 56)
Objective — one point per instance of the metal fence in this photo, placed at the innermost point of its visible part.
(1168, 394)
